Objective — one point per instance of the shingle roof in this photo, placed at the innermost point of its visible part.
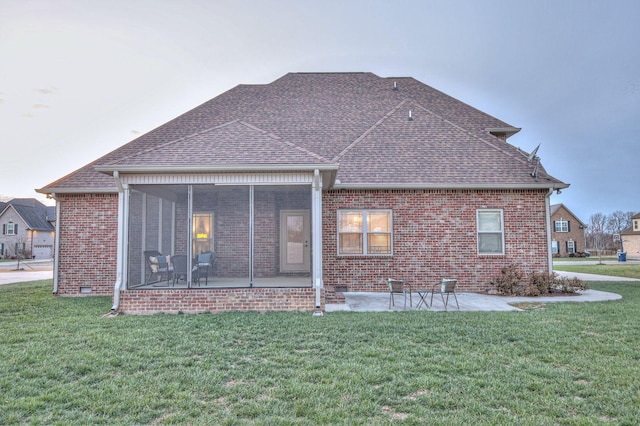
(33, 212)
(357, 121)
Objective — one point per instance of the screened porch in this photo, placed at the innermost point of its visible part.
(218, 236)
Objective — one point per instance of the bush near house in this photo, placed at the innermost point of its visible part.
(514, 282)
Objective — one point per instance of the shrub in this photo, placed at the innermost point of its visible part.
(513, 282)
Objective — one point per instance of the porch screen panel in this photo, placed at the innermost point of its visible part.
(153, 228)
(282, 256)
(220, 217)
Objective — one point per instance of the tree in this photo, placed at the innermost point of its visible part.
(618, 222)
(596, 235)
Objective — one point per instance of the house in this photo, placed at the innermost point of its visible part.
(27, 229)
(631, 237)
(567, 232)
(298, 190)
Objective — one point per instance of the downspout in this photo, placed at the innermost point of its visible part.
(120, 244)
(56, 246)
(316, 203)
(548, 220)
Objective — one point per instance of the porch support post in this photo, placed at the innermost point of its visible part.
(316, 221)
(121, 241)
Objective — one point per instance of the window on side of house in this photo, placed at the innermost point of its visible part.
(490, 231)
(561, 226)
(10, 228)
(571, 247)
(554, 247)
(365, 232)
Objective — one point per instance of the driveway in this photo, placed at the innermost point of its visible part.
(30, 270)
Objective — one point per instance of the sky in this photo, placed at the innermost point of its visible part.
(81, 78)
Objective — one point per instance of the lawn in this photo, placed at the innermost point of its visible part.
(567, 363)
(617, 270)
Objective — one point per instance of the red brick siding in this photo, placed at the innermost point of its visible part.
(88, 243)
(212, 300)
(434, 234)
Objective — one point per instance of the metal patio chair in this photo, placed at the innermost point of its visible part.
(399, 287)
(445, 288)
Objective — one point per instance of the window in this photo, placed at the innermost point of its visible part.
(635, 225)
(571, 247)
(202, 233)
(561, 226)
(490, 232)
(554, 247)
(10, 228)
(364, 232)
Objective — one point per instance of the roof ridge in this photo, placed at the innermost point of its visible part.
(278, 139)
(367, 132)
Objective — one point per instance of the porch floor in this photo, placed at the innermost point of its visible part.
(222, 282)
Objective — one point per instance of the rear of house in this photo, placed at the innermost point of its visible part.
(281, 196)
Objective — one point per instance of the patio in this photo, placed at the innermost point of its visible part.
(379, 302)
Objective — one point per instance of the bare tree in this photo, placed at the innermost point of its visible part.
(617, 222)
(596, 234)
(19, 250)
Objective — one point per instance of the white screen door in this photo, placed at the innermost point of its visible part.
(294, 241)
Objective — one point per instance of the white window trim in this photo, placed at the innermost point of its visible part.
(365, 232)
(555, 247)
(561, 225)
(478, 232)
(571, 247)
(12, 231)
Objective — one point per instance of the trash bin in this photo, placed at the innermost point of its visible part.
(622, 256)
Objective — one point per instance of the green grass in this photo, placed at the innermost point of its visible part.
(616, 270)
(61, 362)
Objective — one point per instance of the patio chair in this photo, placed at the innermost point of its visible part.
(446, 288)
(179, 263)
(157, 265)
(204, 263)
(399, 287)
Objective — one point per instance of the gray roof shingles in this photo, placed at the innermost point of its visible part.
(356, 120)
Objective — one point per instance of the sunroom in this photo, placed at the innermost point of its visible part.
(197, 232)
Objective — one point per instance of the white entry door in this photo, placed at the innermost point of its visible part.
(295, 244)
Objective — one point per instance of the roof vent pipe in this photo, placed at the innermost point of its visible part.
(410, 116)
(395, 85)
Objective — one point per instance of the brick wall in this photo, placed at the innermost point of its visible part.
(434, 237)
(212, 300)
(88, 243)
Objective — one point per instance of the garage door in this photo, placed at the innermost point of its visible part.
(42, 252)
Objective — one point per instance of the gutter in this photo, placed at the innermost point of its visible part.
(56, 246)
(120, 245)
(547, 205)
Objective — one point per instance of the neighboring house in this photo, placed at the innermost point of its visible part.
(567, 232)
(631, 237)
(303, 188)
(27, 229)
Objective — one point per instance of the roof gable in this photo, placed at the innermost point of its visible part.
(235, 142)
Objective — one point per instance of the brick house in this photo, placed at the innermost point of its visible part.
(631, 237)
(567, 232)
(27, 229)
(296, 190)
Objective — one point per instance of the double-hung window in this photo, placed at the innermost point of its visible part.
(10, 228)
(490, 231)
(365, 232)
(561, 226)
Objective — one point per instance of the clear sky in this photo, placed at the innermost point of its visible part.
(81, 78)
